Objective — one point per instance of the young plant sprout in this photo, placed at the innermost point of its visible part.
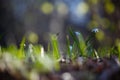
(90, 42)
(78, 63)
(78, 43)
(94, 31)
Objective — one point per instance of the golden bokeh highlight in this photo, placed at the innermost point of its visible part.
(109, 7)
(100, 35)
(82, 8)
(33, 37)
(62, 9)
(94, 1)
(47, 8)
(93, 24)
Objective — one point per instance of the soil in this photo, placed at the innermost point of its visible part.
(81, 69)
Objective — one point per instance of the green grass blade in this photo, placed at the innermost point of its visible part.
(55, 48)
(37, 49)
(79, 41)
(68, 46)
(21, 49)
(90, 42)
(75, 39)
(75, 51)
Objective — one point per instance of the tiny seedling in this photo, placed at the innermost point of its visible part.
(55, 47)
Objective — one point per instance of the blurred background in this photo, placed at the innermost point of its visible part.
(36, 19)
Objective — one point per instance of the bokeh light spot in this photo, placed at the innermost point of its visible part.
(106, 23)
(94, 1)
(100, 35)
(33, 37)
(47, 8)
(109, 7)
(92, 24)
(82, 9)
(62, 9)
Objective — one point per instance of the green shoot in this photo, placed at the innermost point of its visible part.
(37, 49)
(21, 50)
(79, 42)
(42, 63)
(55, 48)
(75, 39)
(90, 42)
(74, 52)
(68, 46)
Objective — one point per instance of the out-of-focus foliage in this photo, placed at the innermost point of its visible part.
(100, 35)
(109, 7)
(118, 44)
(29, 60)
(82, 8)
(38, 18)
